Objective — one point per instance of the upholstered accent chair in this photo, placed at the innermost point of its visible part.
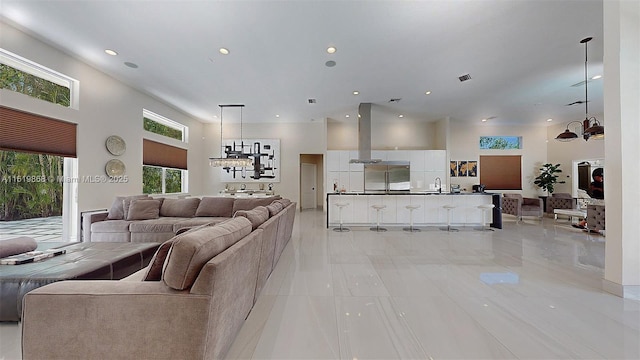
(519, 206)
(595, 217)
(560, 201)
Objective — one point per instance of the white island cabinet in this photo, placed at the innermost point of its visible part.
(430, 213)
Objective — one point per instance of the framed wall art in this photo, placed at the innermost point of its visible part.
(265, 155)
(462, 168)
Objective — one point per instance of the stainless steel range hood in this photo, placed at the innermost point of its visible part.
(364, 136)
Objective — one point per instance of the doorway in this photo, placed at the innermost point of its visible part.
(311, 184)
(582, 170)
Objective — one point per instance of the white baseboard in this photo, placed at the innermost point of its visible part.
(623, 291)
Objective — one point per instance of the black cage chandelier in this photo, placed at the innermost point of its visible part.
(591, 127)
(233, 158)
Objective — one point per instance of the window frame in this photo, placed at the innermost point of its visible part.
(30, 67)
(184, 177)
(166, 122)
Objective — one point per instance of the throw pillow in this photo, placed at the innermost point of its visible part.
(154, 270)
(17, 246)
(256, 216)
(274, 208)
(142, 209)
(179, 207)
(215, 206)
(116, 212)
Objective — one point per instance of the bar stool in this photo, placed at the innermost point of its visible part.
(411, 208)
(378, 209)
(449, 207)
(485, 208)
(341, 228)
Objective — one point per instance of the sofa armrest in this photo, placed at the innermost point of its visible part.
(90, 217)
(113, 320)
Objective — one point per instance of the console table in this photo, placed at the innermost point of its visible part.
(82, 261)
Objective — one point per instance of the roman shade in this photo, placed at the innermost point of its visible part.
(501, 172)
(159, 154)
(27, 132)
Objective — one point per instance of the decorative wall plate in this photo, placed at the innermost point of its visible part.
(116, 145)
(115, 167)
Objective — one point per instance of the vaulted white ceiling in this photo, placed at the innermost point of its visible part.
(523, 56)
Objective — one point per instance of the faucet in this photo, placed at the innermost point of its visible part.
(438, 182)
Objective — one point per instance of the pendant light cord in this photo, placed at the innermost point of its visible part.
(586, 81)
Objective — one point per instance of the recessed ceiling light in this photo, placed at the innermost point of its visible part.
(331, 49)
(277, 115)
(346, 116)
(111, 52)
(400, 116)
(428, 93)
(224, 51)
(484, 120)
(549, 119)
(356, 92)
(596, 77)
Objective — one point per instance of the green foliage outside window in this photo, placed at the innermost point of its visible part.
(29, 185)
(173, 181)
(34, 86)
(158, 128)
(500, 142)
(152, 180)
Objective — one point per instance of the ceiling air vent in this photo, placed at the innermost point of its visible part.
(311, 101)
(395, 100)
(464, 77)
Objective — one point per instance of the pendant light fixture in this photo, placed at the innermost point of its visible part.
(591, 128)
(234, 158)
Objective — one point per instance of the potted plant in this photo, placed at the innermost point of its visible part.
(548, 177)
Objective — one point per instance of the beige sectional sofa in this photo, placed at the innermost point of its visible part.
(141, 218)
(190, 304)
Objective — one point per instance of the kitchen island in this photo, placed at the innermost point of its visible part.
(430, 213)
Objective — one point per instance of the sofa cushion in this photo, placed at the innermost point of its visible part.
(143, 209)
(116, 212)
(160, 225)
(179, 207)
(257, 216)
(193, 249)
(111, 226)
(251, 203)
(215, 206)
(274, 208)
(154, 270)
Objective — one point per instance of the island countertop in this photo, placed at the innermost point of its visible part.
(430, 209)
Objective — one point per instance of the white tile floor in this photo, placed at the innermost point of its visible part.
(530, 291)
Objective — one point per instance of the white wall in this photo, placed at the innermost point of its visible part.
(295, 139)
(385, 135)
(465, 145)
(107, 107)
